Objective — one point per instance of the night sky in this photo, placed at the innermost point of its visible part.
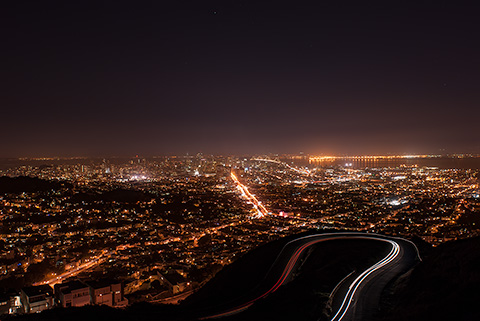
(122, 78)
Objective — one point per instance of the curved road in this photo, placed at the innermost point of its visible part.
(357, 296)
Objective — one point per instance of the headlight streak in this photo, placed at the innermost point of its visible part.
(295, 257)
(261, 210)
(358, 281)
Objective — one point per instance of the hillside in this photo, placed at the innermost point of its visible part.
(444, 286)
(28, 184)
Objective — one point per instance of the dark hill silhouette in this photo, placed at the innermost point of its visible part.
(444, 286)
(29, 184)
(116, 195)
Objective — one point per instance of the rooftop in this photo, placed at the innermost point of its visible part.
(31, 291)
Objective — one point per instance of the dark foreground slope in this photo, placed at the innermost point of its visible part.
(444, 286)
(233, 279)
(305, 298)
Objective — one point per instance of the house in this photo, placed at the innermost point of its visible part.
(10, 303)
(36, 298)
(73, 294)
(107, 292)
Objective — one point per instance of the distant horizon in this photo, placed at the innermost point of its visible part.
(300, 154)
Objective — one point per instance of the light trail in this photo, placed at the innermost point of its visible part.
(60, 278)
(287, 271)
(300, 171)
(261, 210)
(352, 289)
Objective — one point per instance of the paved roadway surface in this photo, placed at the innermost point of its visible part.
(364, 302)
(356, 297)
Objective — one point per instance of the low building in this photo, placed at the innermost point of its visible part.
(73, 294)
(10, 303)
(15, 303)
(107, 292)
(36, 298)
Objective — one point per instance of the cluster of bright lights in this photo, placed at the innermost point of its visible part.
(138, 178)
(367, 157)
(261, 210)
(303, 171)
(396, 202)
(134, 178)
(282, 214)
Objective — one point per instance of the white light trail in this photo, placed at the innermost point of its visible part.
(354, 286)
(347, 301)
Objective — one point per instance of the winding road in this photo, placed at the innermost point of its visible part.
(357, 296)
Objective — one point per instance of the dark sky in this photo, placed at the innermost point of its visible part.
(161, 77)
